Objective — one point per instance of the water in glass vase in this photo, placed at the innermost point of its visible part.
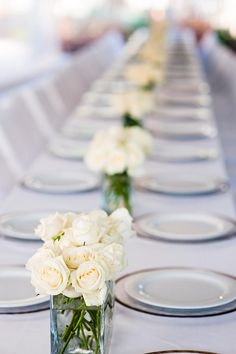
(116, 191)
(80, 329)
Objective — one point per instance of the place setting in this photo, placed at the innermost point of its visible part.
(178, 292)
(181, 130)
(17, 295)
(61, 182)
(84, 129)
(180, 185)
(182, 153)
(21, 225)
(66, 148)
(199, 100)
(183, 113)
(185, 227)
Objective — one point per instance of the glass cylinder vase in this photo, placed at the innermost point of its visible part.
(81, 329)
(116, 192)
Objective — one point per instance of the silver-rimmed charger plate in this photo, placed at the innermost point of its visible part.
(183, 154)
(178, 292)
(185, 227)
(182, 131)
(21, 225)
(16, 292)
(189, 185)
(61, 182)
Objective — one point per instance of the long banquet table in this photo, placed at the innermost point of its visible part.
(134, 332)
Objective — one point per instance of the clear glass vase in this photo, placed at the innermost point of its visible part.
(80, 329)
(116, 191)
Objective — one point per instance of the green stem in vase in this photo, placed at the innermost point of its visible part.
(131, 121)
(73, 329)
(117, 190)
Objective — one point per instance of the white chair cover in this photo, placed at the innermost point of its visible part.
(19, 130)
(7, 178)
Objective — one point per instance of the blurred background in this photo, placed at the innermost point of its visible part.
(37, 34)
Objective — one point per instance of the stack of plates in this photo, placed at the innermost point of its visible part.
(185, 227)
(189, 185)
(17, 294)
(178, 292)
(61, 182)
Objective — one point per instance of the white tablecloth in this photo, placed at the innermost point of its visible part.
(134, 332)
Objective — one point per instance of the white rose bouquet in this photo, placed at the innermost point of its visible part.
(80, 257)
(117, 152)
(133, 105)
(144, 75)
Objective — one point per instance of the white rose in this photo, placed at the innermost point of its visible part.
(85, 230)
(96, 298)
(89, 277)
(69, 218)
(114, 256)
(49, 275)
(116, 161)
(70, 292)
(50, 226)
(135, 156)
(95, 159)
(121, 223)
(75, 256)
(141, 137)
(135, 102)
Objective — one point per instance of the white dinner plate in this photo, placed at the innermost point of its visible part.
(183, 153)
(180, 130)
(61, 182)
(100, 99)
(68, 149)
(21, 225)
(180, 185)
(187, 89)
(183, 99)
(185, 227)
(181, 288)
(16, 292)
(183, 112)
(97, 112)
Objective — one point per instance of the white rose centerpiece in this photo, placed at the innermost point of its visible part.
(133, 105)
(116, 153)
(77, 264)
